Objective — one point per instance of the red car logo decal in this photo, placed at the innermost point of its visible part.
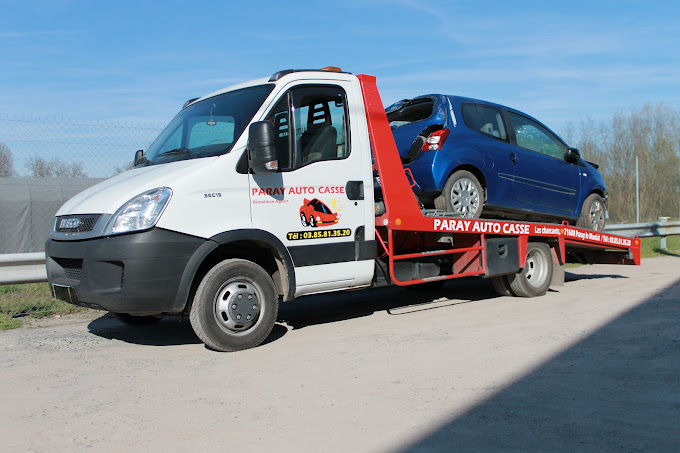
(315, 213)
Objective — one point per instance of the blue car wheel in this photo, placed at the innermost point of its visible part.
(462, 194)
(592, 213)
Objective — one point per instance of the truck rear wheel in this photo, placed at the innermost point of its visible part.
(235, 306)
(501, 285)
(534, 280)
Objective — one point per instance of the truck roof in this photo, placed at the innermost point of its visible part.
(283, 77)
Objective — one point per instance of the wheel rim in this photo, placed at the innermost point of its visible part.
(596, 215)
(303, 220)
(536, 268)
(465, 197)
(237, 306)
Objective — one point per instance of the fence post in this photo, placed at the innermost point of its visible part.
(662, 241)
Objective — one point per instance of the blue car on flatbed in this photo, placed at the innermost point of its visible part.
(476, 158)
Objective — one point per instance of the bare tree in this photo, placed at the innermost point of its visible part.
(121, 168)
(41, 168)
(650, 133)
(6, 161)
(73, 170)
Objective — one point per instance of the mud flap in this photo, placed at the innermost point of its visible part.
(502, 256)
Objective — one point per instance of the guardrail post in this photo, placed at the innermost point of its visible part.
(662, 241)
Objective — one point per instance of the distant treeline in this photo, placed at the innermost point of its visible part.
(650, 133)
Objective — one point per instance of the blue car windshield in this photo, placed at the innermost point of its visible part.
(209, 127)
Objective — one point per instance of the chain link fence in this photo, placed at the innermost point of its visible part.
(43, 163)
(43, 147)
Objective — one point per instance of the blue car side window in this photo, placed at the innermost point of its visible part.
(533, 136)
(485, 119)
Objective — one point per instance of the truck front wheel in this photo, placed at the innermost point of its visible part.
(235, 306)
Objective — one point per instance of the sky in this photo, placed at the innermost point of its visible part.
(140, 60)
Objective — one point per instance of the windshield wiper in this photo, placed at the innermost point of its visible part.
(174, 152)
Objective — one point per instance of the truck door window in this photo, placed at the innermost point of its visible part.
(280, 118)
(320, 121)
(318, 117)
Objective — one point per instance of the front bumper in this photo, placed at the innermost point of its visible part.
(137, 273)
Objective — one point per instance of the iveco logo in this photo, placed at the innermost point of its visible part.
(69, 224)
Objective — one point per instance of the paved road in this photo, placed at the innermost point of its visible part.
(591, 366)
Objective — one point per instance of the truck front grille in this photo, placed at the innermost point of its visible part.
(76, 223)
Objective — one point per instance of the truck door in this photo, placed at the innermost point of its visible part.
(314, 203)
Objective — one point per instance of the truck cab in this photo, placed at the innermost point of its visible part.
(139, 243)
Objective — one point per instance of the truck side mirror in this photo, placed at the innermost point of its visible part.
(139, 157)
(572, 155)
(262, 156)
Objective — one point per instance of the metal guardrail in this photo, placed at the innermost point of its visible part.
(22, 268)
(661, 228)
(16, 268)
(645, 229)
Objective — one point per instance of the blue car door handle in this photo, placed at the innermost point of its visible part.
(513, 158)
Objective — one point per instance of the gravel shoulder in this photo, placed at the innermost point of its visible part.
(591, 366)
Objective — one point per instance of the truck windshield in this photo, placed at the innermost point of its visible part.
(209, 127)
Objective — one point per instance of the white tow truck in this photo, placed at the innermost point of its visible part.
(278, 188)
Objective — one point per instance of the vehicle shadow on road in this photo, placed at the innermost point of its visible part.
(167, 332)
(572, 277)
(322, 309)
(616, 390)
(666, 252)
(345, 305)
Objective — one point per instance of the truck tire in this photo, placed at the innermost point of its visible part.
(501, 285)
(534, 280)
(235, 306)
(592, 213)
(462, 194)
(132, 320)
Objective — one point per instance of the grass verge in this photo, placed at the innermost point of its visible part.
(32, 299)
(651, 247)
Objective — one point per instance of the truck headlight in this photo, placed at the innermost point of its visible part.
(140, 213)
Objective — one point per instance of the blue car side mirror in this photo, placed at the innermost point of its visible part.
(572, 155)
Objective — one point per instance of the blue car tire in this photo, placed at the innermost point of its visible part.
(592, 213)
(462, 194)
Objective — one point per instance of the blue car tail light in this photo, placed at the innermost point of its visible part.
(436, 140)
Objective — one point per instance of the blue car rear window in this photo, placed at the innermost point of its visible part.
(409, 111)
